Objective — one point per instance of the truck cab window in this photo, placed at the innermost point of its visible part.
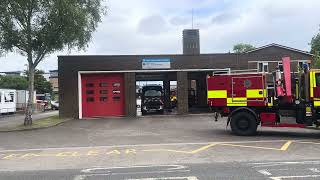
(317, 76)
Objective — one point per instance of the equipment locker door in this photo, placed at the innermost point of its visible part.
(249, 90)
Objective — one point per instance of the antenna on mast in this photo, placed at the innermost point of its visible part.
(192, 18)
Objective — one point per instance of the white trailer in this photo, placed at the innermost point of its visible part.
(8, 99)
(22, 99)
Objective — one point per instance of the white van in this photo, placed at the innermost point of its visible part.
(8, 99)
(22, 99)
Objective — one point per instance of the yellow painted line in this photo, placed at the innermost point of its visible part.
(203, 148)
(283, 148)
(184, 152)
(166, 150)
(255, 147)
(286, 146)
(94, 152)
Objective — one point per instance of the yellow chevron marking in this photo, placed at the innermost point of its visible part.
(184, 152)
(286, 146)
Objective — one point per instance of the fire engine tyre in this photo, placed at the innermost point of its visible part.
(243, 124)
(143, 112)
(161, 111)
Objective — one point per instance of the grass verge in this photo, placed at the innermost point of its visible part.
(37, 124)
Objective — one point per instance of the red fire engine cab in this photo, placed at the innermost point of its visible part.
(280, 99)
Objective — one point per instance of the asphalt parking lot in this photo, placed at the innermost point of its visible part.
(156, 129)
(195, 142)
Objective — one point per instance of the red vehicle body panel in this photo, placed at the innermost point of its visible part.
(236, 86)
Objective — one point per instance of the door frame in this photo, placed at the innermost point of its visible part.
(135, 71)
(80, 114)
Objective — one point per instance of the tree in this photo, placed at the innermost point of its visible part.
(242, 48)
(36, 28)
(316, 59)
(315, 44)
(13, 82)
(41, 85)
(315, 50)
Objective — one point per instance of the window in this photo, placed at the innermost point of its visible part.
(116, 84)
(103, 99)
(152, 93)
(90, 99)
(103, 84)
(116, 98)
(280, 65)
(116, 91)
(317, 76)
(89, 85)
(8, 97)
(103, 91)
(303, 65)
(263, 67)
(89, 91)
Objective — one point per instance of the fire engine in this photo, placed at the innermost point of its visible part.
(279, 99)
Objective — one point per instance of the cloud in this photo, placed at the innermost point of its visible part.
(224, 18)
(152, 25)
(180, 20)
(155, 27)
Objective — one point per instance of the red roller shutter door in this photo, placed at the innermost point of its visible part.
(102, 95)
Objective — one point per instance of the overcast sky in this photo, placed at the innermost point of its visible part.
(155, 27)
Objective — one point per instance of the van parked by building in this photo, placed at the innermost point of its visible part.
(22, 99)
(8, 100)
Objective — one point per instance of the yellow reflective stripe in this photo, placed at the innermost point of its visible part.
(316, 103)
(237, 101)
(297, 89)
(271, 102)
(314, 80)
(312, 74)
(217, 94)
(255, 93)
(308, 109)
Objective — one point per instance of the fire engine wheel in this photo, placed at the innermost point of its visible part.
(143, 112)
(243, 124)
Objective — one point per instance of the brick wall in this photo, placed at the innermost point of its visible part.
(70, 65)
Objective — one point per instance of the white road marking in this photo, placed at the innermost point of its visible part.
(80, 177)
(111, 171)
(293, 177)
(308, 142)
(285, 169)
(139, 145)
(267, 164)
(169, 178)
(265, 172)
(316, 170)
(108, 169)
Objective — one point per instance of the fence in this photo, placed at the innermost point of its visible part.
(37, 107)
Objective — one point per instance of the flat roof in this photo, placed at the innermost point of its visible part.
(201, 54)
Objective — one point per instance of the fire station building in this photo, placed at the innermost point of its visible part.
(100, 86)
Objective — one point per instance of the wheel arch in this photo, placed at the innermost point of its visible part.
(243, 109)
